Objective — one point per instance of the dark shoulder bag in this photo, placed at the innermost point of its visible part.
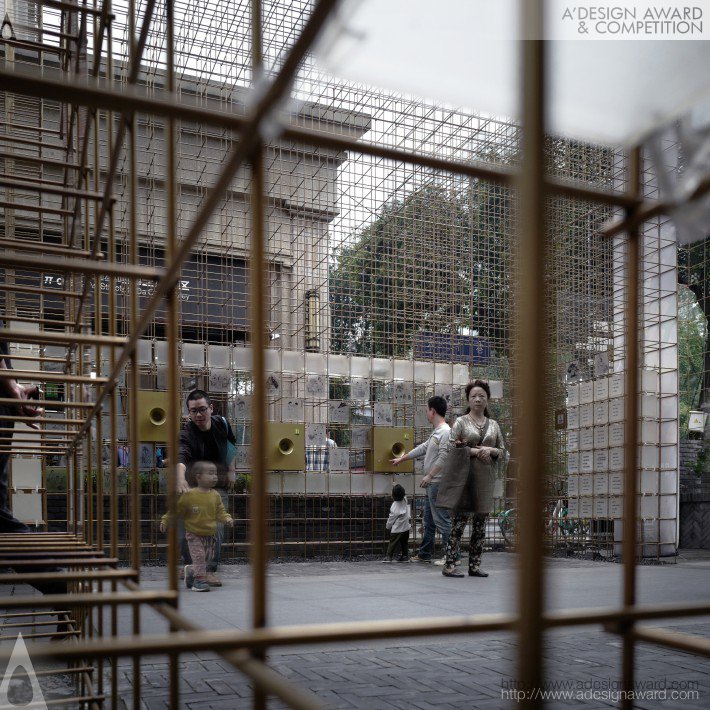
(454, 475)
(231, 446)
(456, 487)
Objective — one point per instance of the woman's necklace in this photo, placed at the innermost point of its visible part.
(478, 426)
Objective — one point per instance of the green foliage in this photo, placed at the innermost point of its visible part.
(699, 465)
(436, 261)
(692, 270)
(242, 484)
(692, 333)
(148, 480)
(440, 260)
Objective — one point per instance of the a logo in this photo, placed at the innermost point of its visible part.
(627, 19)
(20, 658)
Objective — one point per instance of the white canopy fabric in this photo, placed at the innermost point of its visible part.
(466, 53)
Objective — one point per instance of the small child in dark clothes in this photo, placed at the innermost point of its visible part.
(399, 526)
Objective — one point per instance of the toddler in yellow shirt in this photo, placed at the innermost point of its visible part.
(200, 508)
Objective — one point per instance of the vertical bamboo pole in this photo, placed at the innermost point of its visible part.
(530, 427)
(112, 398)
(84, 352)
(100, 541)
(258, 508)
(173, 332)
(135, 371)
(632, 362)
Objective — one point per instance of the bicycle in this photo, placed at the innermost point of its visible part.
(556, 521)
(507, 522)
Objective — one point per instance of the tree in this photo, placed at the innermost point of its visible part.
(436, 261)
(692, 272)
(692, 331)
(440, 260)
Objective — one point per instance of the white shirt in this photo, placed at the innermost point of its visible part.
(398, 520)
(433, 450)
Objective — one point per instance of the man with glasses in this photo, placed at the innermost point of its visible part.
(206, 437)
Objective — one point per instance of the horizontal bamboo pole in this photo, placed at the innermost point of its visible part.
(40, 435)
(66, 576)
(82, 266)
(56, 553)
(19, 288)
(51, 322)
(27, 186)
(61, 562)
(45, 338)
(46, 376)
(90, 599)
(41, 438)
(99, 94)
(38, 450)
(35, 358)
(673, 639)
(39, 129)
(25, 245)
(16, 548)
(360, 630)
(41, 536)
(41, 635)
(30, 141)
(35, 208)
(36, 160)
(45, 402)
(47, 420)
(70, 7)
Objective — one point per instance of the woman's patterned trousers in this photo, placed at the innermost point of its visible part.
(478, 535)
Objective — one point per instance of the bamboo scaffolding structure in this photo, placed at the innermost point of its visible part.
(98, 115)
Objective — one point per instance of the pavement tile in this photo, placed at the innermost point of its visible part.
(158, 703)
(462, 672)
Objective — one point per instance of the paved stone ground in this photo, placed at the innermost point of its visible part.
(465, 675)
(471, 672)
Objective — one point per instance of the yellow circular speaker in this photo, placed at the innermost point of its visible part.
(397, 449)
(285, 446)
(158, 416)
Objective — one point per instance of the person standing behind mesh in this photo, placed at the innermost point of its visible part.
(399, 526)
(206, 438)
(481, 439)
(434, 452)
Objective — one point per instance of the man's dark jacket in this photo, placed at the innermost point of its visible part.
(194, 446)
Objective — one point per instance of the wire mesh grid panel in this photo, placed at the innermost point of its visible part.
(387, 282)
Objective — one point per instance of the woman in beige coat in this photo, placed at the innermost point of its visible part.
(473, 494)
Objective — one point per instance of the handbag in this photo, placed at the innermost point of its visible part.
(231, 446)
(458, 489)
(454, 476)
